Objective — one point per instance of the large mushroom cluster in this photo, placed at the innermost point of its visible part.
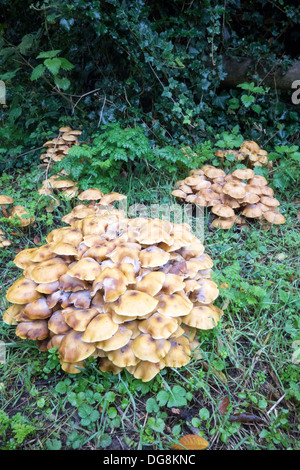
(250, 153)
(233, 198)
(130, 292)
(59, 147)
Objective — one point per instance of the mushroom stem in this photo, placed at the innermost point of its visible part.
(4, 211)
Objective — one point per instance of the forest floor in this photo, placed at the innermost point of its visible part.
(243, 394)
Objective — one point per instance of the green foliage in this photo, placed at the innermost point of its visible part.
(116, 155)
(158, 66)
(13, 431)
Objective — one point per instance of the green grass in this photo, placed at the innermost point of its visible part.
(247, 358)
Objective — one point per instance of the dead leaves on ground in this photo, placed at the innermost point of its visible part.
(191, 442)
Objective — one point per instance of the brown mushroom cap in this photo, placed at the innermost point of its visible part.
(146, 370)
(49, 271)
(174, 305)
(117, 340)
(35, 330)
(124, 357)
(178, 354)
(158, 326)
(244, 174)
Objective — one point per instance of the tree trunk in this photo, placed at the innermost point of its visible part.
(241, 69)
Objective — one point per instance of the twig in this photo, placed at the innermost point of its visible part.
(275, 404)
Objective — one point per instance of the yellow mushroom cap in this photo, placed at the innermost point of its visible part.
(22, 291)
(86, 269)
(274, 217)
(204, 317)
(78, 319)
(100, 328)
(105, 365)
(135, 304)
(91, 194)
(223, 211)
(158, 326)
(124, 357)
(178, 355)
(174, 305)
(146, 348)
(49, 271)
(244, 174)
(73, 348)
(117, 340)
(151, 283)
(146, 370)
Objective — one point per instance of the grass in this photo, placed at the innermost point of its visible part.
(247, 360)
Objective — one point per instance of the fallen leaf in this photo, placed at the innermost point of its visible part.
(36, 240)
(191, 442)
(224, 405)
(176, 411)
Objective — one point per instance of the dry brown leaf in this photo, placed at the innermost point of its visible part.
(191, 442)
(224, 405)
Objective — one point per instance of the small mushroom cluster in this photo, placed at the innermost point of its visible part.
(19, 212)
(250, 153)
(59, 147)
(3, 242)
(130, 292)
(232, 197)
(58, 184)
(98, 202)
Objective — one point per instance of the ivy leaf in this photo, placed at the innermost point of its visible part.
(37, 72)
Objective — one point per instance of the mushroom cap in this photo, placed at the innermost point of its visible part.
(86, 269)
(158, 326)
(105, 365)
(49, 270)
(235, 190)
(91, 194)
(204, 317)
(135, 304)
(224, 224)
(113, 281)
(5, 199)
(273, 217)
(73, 348)
(34, 330)
(146, 348)
(208, 291)
(269, 201)
(124, 357)
(100, 328)
(174, 305)
(178, 354)
(117, 340)
(22, 291)
(37, 310)
(151, 283)
(223, 211)
(153, 257)
(146, 370)
(252, 211)
(111, 197)
(244, 174)
(78, 319)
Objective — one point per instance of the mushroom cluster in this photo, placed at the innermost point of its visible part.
(59, 147)
(58, 184)
(250, 153)
(130, 292)
(3, 242)
(232, 198)
(98, 202)
(19, 212)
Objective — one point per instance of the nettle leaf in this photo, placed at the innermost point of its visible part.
(247, 100)
(53, 65)
(62, 83)
(65, 64)
(48, 54)
(37, 72)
